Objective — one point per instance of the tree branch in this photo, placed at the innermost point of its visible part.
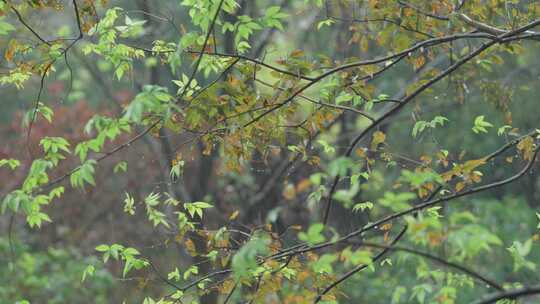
(359, 267)
(302, 248)
(434, 258)
(510, 294)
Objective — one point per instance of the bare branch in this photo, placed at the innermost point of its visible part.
(26, 25)
(510, 294)
(422, 12)
(360, 267)
(437, 259)
(201, 53)
(302, 248)
(417, 92)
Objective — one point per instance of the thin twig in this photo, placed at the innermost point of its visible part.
(417, 92)
(302, 248)
(26, 25)
(437, 259)
(201, 53)
(359, 267)
(510, 294)
(422, 12)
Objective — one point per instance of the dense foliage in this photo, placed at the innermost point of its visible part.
(269, 151)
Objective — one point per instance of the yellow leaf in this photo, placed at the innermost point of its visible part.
(462, 154)
(289, 193)
(361, 152)
(476, 176)
(329, 297)
(364, 44)
(419, 62)
(303, 185)
(378, 138)
(234, 215)
(226, 287)
(296, 227)
(470, 165)
(422, 192)
(141, 283)
(435, 238)
(426, 159)
(225, 260)
(302, 276)
(386, 227)
(526, 147)
(12, 47)
(314, 161)
(190, 247)
(297, 53)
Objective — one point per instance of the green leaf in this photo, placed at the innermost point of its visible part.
(102, 248)
(398, 293)
(328, 149)
(121, 166)
(85, 174)
(56, 192)
(12, 163)
(339, 166)
(327, 22)
(360, 257)
(519, 252)
(54, 144)
(191, 270)
(503, 129)
(346, 195)
(175, 275)
(152, 199)
(148, 300)
(82, 150)
(130, 251)
(417, 179)
(362, 206)
(176, 170)
(419, 126)
(5, 27)
(324, 264)
(480, 125)
(314, 234)
(202, 205)
(420, 292)
(35, 219)
(196, 208)
(343, 98)
(177, 295)
(397, 202)
(355, 177)
(471, 239)
(129, 204)
(244, 262)
(88, 271)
